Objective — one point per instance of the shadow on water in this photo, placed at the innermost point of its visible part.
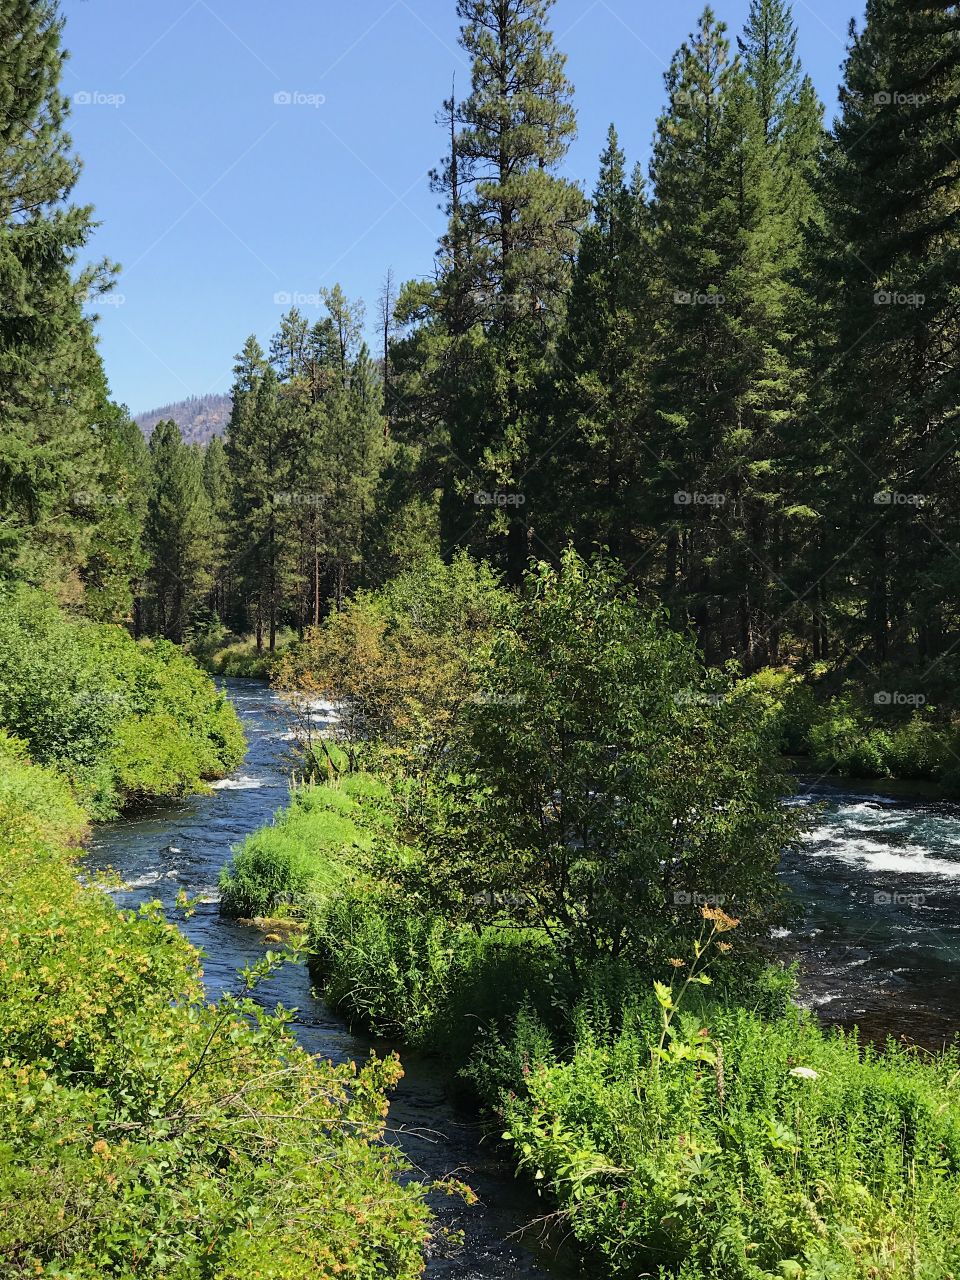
(184, 847)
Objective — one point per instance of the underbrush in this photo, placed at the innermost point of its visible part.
(863, 733)
(126, 723)
(744, 1141)
(238, 657)
(147, 1133)
(792, 1153)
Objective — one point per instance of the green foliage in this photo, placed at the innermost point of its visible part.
(178, 527)
(398, 660)
(793, 1153)
(606, 782)
(148, 1133)
(54, 391)
(853, 733)
(305, 856)
(126, 723)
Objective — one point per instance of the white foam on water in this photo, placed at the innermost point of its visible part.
(872, 855)
(244, 783)
(140, 882)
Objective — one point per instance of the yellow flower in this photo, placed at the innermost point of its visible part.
(721, 921)
(677, 964)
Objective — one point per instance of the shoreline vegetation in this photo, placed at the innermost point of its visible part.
(147, 1132)
(693, 440)
(639, 1059)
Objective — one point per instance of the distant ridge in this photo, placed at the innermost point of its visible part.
(199, 418)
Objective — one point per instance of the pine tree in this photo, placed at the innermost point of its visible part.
(599, 398)
(241, 449)
(176, 526)
(885, 378)
(116, 558)
(504, 264)
(51, 385)
(216, 484)
(731, 168)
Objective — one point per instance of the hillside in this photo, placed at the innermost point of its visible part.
(199, 418)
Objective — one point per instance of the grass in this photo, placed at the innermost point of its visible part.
(757, 1146)
(146, 1133)
(305, 858)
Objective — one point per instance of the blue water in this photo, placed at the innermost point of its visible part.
(878, 885)
(184, 847)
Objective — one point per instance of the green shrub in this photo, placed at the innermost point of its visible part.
(308, 853)
(147, 1133)
(126, 722)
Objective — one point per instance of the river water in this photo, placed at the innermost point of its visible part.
(876, 889)
(184, 847)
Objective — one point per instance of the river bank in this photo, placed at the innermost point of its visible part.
(183, 848)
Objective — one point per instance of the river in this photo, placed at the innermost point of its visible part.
(877, 894)
(184, 847)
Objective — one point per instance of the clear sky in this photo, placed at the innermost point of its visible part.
(215, 196)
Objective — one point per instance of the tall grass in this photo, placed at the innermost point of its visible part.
(759, 1147)
(145, 1132)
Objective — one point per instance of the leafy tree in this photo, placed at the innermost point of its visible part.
(607, 783)
(398, 660)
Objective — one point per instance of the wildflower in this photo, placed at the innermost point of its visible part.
(677, 964)
(805, 1073)
(724, 947)
(722, 923)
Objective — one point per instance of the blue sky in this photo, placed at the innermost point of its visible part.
(216, 198)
